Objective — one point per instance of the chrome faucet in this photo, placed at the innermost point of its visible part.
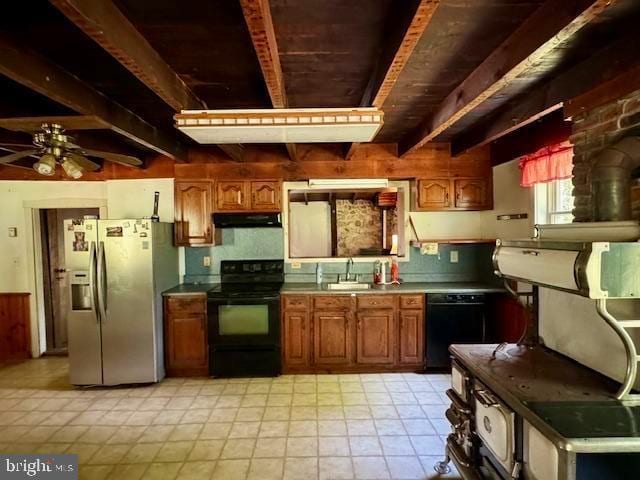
(349, 267)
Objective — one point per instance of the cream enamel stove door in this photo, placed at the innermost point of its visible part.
(495, 426)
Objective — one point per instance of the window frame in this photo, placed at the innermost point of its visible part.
(547, 200)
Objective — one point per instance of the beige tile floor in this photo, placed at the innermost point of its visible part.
(373, 426)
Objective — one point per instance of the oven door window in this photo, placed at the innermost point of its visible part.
(243, 320)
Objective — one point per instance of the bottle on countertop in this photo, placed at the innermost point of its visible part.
(377, 272)
(383, 272)
(319, 274)
(395, 271)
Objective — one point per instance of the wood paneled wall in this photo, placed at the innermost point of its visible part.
(313, 161)
(15, 343)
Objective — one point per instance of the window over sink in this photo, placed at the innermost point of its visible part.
(344, 223)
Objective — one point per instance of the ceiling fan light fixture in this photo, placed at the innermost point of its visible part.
(71, 168)
(46, 165)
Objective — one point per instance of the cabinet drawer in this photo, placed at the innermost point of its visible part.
(184, 304)
(411, 301)
(295, 302)
(331, 302)
(376, 301)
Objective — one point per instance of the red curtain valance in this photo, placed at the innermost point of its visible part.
(549, 163)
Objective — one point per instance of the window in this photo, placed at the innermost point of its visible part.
(554, 202)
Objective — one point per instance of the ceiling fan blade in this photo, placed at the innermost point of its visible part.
(114, 157)
(17, 156)
(83, 162)
(28, 145)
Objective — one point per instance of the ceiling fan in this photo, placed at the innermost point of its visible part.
(53, 146)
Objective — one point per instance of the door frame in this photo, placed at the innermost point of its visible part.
(34, 260)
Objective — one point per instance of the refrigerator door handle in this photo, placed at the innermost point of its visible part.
(92, 280)
(102, 288)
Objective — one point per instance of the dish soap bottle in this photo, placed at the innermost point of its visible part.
(319, 274)
(395, 272)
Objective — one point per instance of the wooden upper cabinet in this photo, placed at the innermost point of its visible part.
(471, 193)
(265, 196)
(434, 193)
(193, 208)
(231, 195)
(332, 338)
(375, 336)
(411, 336)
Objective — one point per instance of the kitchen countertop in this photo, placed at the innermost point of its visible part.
(559, 397)
(409, 287)
(190, 289)
(312, 288)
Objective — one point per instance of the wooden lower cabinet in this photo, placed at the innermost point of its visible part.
(332, 338)
(15, 338)
(410, 336)
(375, 337)
(296, 338)
(185, 334)
(344, 333)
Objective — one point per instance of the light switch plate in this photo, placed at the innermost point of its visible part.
(206, 261)
(453, 256)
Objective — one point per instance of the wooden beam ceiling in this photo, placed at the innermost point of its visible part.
(554, 22)
(395, 59)
(603, 66)
(102, 21)
(43, 76)
(69, 122)
(257, 15)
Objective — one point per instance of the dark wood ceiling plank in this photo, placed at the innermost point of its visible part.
(614, 63)
(551, 24)
(235, 152)
(257, 15)
(419, 23)
(381, 83)
(102, 21)
(43, 76)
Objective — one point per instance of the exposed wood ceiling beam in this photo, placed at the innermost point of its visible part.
(553, 23)
(257, 15)
(603, 66)
(43, 76)
(69, 122)
(102, 21)
(395, 59)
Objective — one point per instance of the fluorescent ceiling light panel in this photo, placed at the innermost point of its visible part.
(283, 125)
(349, 183)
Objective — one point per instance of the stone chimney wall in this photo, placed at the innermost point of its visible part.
(592, 131)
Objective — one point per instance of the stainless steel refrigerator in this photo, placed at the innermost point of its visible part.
(118, 270)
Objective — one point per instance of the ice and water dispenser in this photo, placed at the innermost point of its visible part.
(80, 290)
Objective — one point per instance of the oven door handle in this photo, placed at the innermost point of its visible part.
(486, 398)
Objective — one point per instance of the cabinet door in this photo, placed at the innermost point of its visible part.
(193, 223)
(231, 195)
(471, 193)
(295, 338)
(332, 338)
(411, 333)
(265, 196)
(375, 337)
(434, 194)
(185, 335)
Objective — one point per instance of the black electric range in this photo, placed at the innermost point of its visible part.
(244, 319)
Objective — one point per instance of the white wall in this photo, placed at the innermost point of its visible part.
(18, 199)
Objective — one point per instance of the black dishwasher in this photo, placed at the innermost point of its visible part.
(453, 318)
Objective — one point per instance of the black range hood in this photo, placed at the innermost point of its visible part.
(246, 220)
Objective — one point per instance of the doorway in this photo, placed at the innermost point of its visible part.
(56, 281)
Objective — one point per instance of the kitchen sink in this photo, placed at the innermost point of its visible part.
(348, 286)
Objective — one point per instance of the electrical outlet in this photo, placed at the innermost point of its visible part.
(296, 265)
(13, 232)
(453, 256)
(206, 261)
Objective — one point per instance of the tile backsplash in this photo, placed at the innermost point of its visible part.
(474, 260)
